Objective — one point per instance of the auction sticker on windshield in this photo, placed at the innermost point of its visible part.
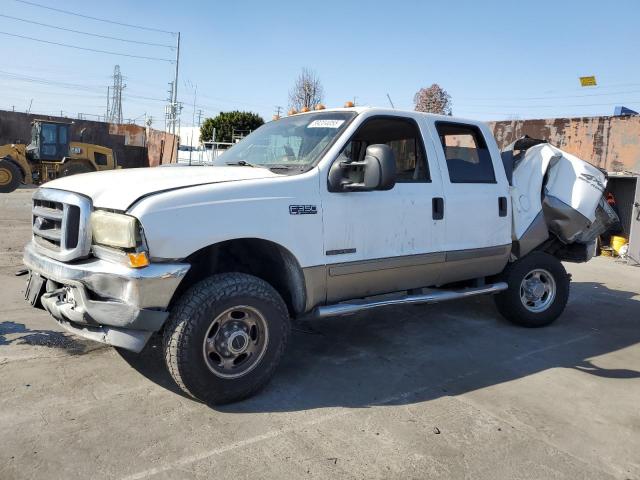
(325, 124)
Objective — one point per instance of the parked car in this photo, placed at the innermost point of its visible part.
(313, 215)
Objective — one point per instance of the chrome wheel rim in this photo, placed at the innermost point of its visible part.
(235, 342)
(537, 290)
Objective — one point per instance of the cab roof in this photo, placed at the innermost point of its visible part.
(388, 111)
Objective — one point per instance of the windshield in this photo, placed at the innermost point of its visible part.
(291, 143)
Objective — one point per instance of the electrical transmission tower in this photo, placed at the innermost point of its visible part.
(114, 99)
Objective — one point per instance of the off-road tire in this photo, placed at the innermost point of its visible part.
(509, 302)
(74, 169)
(10, 176)
(188, 324)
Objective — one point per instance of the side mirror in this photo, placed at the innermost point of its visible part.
(376, 172)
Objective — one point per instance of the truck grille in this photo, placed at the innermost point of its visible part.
(61, 224)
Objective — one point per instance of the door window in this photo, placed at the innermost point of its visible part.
(49, 145)
(402, 136)
(466, 152)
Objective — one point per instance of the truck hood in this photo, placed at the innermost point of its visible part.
(119, 189)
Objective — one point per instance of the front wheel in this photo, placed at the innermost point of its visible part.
(10, 176)
(538, 290)
(225, 337)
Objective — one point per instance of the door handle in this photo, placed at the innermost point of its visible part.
(502, 206)
(437, 205)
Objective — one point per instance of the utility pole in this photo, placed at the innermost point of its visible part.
(168, 117)
(199, 117)
(195, 95)
(193, 121)
(174, 100)
(276, 116)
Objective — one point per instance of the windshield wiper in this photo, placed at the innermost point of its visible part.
(242, 163)
(287, 167)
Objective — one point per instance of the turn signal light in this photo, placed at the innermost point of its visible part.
(138, 260)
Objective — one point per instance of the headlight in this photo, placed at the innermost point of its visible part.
(114, 229)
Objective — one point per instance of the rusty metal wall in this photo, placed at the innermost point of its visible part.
(612, 143)
(135, 146)
(162, 148)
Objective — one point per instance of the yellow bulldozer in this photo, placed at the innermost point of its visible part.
(50, 155)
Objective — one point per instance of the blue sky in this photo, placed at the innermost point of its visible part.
(497, 59)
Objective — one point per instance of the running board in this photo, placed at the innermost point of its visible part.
(348, 308)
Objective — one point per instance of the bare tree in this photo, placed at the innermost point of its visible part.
(434, 99)
(307, 91)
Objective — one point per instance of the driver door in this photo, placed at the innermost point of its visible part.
(384, 241)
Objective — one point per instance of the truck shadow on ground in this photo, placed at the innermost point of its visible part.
(14, 333)
(411, 354)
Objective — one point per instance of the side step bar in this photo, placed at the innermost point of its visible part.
(435, 296)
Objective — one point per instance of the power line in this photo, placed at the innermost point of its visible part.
(141, 97)
(569, 93)
(44, 81)
(85, 48)
(74, 86)
(87, 33)
(557, 105)
(498, 99)
(34, 4)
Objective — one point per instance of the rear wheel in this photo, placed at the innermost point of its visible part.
(10, 176)
(225, 337)
(538, 290)
(74, 169)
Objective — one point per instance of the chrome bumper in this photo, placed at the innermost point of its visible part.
(106, 301)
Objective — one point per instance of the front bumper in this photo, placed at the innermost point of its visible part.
(106, 301)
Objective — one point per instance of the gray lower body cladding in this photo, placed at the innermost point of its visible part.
(335, 282)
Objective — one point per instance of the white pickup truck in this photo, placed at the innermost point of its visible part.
(324, 213)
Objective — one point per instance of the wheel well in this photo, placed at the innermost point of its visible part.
(264, 259)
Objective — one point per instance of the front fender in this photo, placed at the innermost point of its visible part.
(285, 211)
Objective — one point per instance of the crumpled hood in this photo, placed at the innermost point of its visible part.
(119, 189)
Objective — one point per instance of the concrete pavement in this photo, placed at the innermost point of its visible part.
(440, 391)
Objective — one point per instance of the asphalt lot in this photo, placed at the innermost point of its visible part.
(440, 391)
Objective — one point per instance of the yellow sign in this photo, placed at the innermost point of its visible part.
(588, 81)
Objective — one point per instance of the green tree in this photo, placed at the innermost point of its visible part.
(228, 123)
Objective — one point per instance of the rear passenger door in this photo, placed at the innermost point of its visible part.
(477, 209)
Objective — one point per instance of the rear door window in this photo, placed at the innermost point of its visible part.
(466, 152)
